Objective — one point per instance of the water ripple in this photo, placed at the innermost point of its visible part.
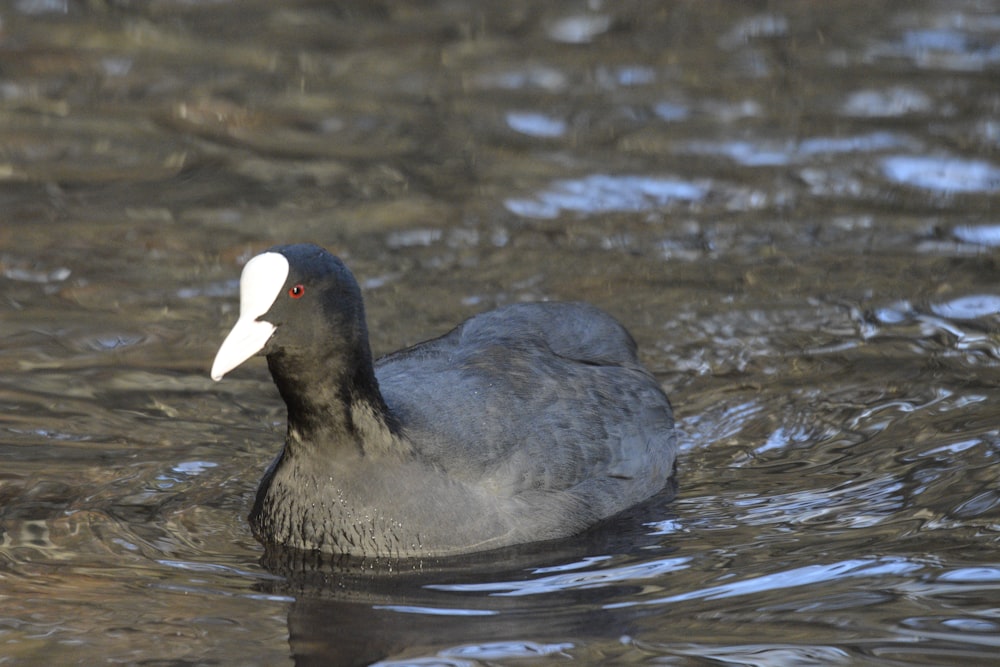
(793, 578)
(942, 174)
(568, 581)
(470, 655)
(578, 28)
(767, 655)
(763, 153)
(941, 48)
(535, 124)
(892, 102)
(604, 193)
(986, 235)
(969, 307)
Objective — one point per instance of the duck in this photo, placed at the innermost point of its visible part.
(526, 423)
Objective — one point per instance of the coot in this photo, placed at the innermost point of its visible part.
(526, 423)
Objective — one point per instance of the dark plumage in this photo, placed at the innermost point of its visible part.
(526, 423)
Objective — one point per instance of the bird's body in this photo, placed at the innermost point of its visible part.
(525, 423)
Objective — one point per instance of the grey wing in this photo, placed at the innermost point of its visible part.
(510, 415)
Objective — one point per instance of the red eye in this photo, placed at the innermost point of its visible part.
(297, 292)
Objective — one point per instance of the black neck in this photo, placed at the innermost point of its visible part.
(323, 395)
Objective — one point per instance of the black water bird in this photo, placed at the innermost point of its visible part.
(529, 422)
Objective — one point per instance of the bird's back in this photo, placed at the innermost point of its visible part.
(537, 400)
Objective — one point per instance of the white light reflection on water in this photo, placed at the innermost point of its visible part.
(941, 48)
(986, 235)
(604, 193)
(502, 650)
(671, 112)
(470, 655)
(942, 174)
(764, 153)
(536, 124)
(581, 564)
(896, 101)
(969, 307)
(794, 578)
(434, 611)
(579, 28)
(855, 505)
(538, 77)
(568, 581)
(766, 655)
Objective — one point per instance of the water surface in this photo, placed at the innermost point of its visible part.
(791, 205)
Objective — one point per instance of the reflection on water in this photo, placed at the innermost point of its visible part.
(799, 577)
(601, 193)
(554, 583)
(947, 174)
(792, 209)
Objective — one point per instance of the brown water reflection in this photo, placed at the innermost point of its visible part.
(792, 206)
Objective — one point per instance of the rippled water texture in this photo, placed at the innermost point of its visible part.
(792, 205)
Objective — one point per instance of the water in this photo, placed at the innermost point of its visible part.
(791, 205)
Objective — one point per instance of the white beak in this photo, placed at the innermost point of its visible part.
(260, 285)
